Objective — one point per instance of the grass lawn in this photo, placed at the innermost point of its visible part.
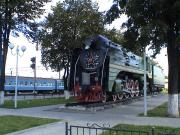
(159, 111)
(10, 124)
(125, 130)
(37, 102)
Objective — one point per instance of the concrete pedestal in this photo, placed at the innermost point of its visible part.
(67, 94)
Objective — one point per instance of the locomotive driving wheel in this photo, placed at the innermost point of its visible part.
(132, 94)
(126, 95)
(114, 97)
(120, 96)
(137, 94)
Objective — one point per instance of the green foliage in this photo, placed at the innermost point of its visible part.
(148, 22)
(11, 124)
(115, 36)
(19, 16)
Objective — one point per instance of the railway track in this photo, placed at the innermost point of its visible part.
(95, 106)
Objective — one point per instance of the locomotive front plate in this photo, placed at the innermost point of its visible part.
(91, 59)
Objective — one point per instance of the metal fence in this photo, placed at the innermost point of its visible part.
(95, 129)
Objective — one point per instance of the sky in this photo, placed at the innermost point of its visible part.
(24, 60)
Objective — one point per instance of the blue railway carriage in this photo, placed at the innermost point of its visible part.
(59, 85)
(29, 84)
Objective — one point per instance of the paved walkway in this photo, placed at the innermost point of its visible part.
(124, 114)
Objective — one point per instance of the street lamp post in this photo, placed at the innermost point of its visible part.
(145, 85)
(23, 49)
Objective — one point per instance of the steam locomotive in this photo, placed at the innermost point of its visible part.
(104, 70)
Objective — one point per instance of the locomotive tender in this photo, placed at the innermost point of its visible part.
(103, 70)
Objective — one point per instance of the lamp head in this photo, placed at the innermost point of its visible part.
(23, 48)
(11, 46)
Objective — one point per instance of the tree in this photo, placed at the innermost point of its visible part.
(155, 23)
(114, 35)
(17, 16)
(65, 29)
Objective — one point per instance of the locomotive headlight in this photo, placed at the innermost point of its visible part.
(87, 43)
(87, 47)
